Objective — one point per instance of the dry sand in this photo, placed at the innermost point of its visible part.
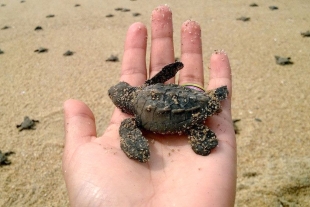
(272, 101)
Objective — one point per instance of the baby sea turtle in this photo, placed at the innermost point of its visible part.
(273, 8)
(283, 60)
(112, 58)
(122, 9)
(41, 50)
(4, 158)
(305, 34)
(27, 124)
(109, 15)
(68, 53)
(136, 14)
(165, 109)
(253, 5)
(5, 27)
(243, 18)
(50, 16)
(38, 28)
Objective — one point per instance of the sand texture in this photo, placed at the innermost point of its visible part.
(272, 101)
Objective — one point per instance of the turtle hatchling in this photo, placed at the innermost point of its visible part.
(27, 124)
(165, 109)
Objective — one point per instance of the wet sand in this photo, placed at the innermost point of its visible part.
(272, 101)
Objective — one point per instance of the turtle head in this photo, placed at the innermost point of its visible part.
(122, 95)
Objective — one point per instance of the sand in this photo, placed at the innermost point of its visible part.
(272, 101)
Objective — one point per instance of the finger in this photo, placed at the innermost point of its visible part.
(134, 64)
(191, 50)
(80, 125)
(220, 75)
(220, 71)
(162, 52)
(221, 124)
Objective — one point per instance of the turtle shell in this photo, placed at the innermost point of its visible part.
(169, 109)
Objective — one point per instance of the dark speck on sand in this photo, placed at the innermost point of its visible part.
(112, 58)
(253, 5)
(122, 9)
(50, 16)
(68, 53)
(109, 15)
(5, 27)
(41, 50)
(38, 28)
(245, 19)
(273, 8)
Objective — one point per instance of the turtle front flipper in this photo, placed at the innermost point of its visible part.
(202, 140)
(133, 143)
(221, 93)
(165, 74)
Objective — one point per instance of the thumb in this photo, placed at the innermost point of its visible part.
(80, 126)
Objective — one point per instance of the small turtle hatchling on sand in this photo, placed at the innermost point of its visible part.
(4, 158)
(165, 109)
(305, 34)
(283, 60)
(27, 124)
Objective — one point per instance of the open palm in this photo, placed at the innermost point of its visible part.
(98, 173)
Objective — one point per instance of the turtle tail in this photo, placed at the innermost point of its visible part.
(221, 93)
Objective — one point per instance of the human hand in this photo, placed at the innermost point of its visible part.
(98, 173)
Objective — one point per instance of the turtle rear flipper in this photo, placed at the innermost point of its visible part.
(165, 74)
(133, 143)
(202, 140)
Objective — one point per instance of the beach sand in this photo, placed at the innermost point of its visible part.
(272, 101)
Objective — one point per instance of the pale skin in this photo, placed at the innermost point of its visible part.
(98, 173)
